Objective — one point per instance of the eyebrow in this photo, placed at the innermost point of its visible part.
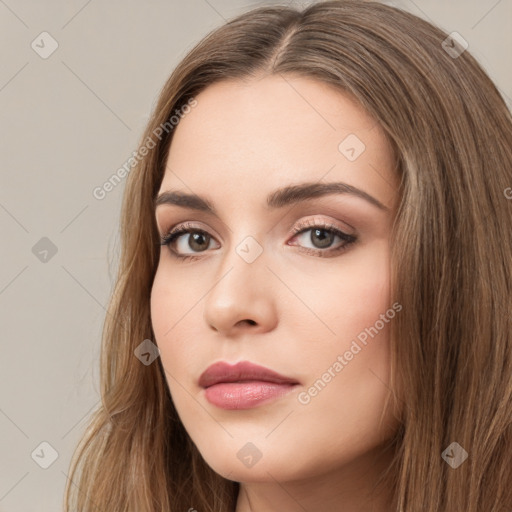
(278, 199)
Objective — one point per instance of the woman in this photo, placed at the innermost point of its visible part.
(318, 240)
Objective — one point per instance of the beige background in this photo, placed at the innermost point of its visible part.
(68, 123)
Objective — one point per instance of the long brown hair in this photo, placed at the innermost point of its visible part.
(451, 133)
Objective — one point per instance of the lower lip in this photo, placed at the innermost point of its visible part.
(245, 395)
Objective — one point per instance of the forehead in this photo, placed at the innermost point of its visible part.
(244, 139)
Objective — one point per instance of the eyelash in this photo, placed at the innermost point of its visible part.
(187, 228)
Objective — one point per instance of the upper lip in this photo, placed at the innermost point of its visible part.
(242, 371)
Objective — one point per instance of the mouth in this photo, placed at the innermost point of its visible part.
(243, 385)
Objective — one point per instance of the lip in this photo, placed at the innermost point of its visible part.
(243, 385)
(241, 372)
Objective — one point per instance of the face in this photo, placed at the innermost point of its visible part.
(295, 280)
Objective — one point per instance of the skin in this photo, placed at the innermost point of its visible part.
(290, 310)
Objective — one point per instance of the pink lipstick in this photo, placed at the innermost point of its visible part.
(243, 385)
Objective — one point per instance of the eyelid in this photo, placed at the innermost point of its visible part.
(187, 225)
(317, 220)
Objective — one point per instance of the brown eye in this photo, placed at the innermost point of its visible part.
(199, 241)
(321, 240)
(186, 241)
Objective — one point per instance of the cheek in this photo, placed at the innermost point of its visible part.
(350, 296)
(161, 299)
(366, 290)
(162, 304)
(350, 365)
(175, 295)
(171, 304)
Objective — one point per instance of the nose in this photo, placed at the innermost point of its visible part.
(241, 298)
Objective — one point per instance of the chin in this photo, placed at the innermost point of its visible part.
(244, 462)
